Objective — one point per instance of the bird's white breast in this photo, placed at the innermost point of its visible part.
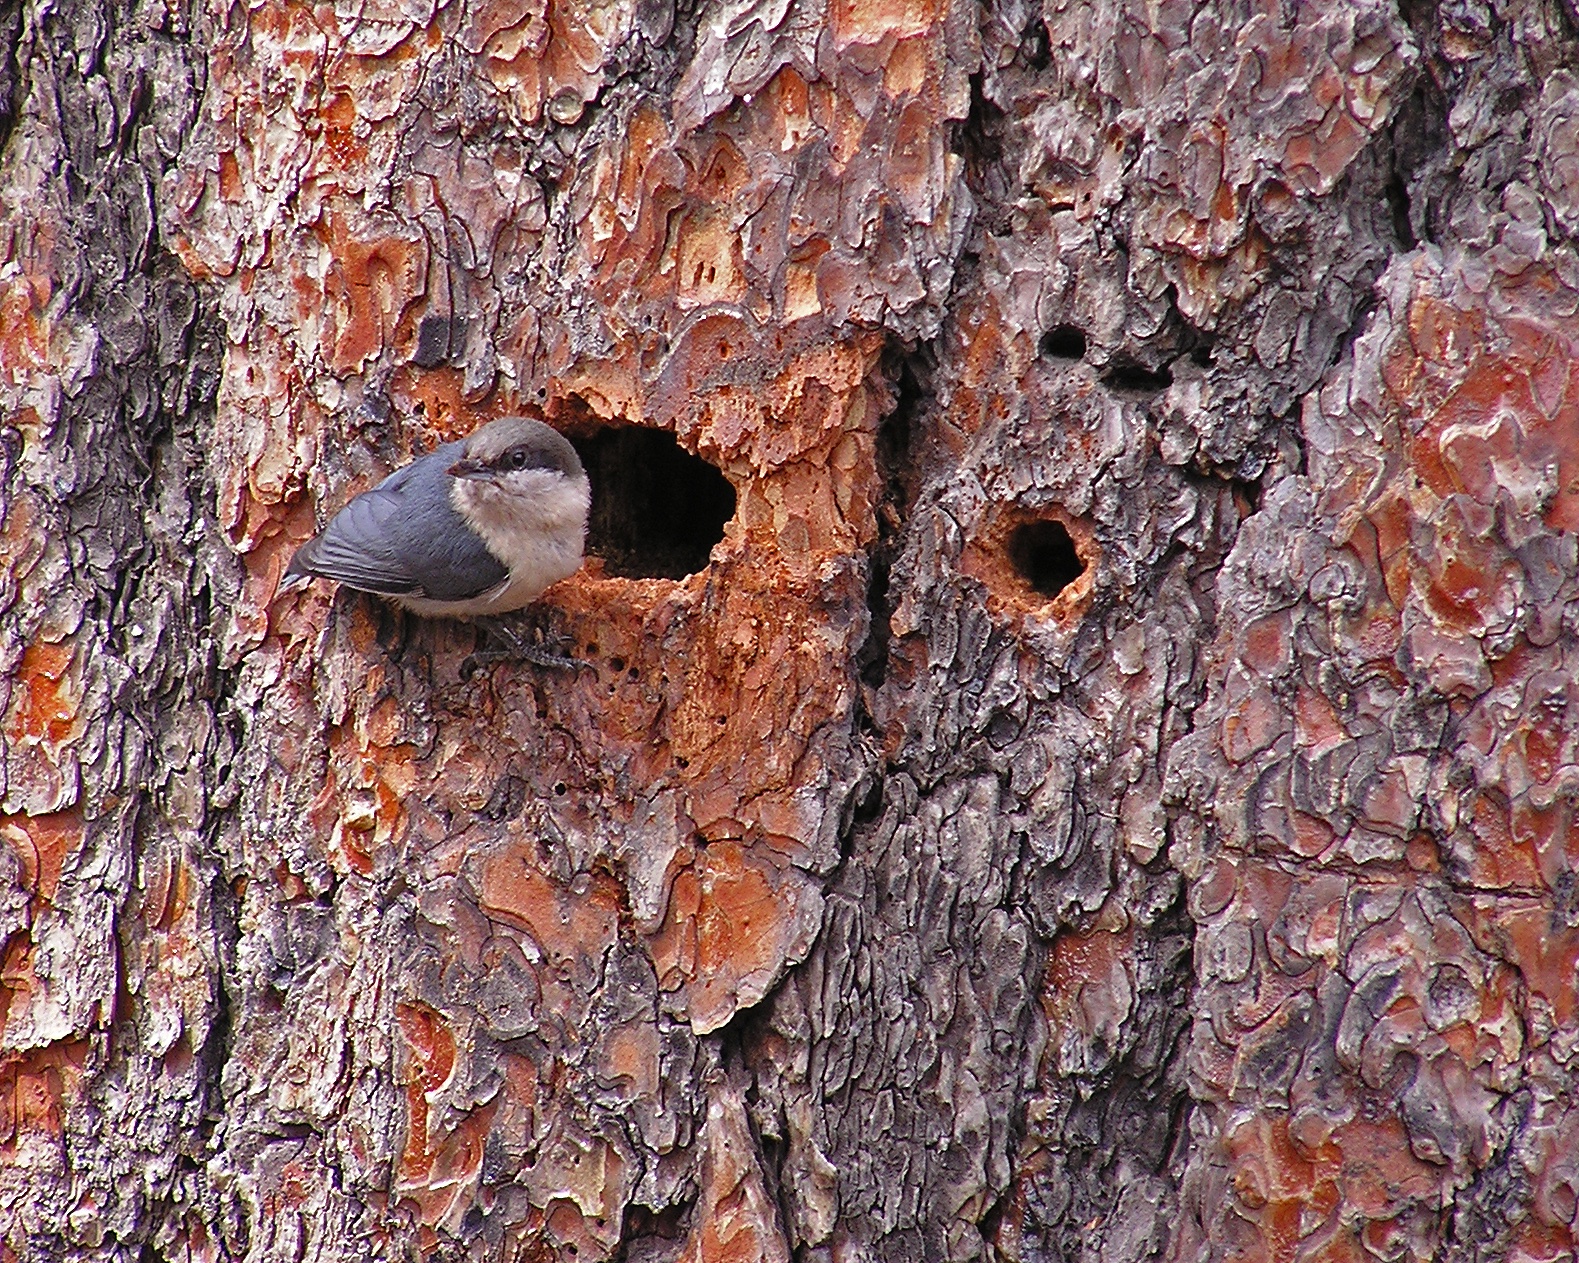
(536, 525)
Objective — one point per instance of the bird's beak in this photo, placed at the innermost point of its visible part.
(468, 468)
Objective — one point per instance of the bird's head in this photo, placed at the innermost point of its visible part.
(519, 455)
(517, 477)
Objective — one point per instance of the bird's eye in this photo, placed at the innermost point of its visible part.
(518, 459)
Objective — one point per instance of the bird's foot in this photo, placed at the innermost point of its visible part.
(517, 646)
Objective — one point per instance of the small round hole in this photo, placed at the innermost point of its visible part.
(617, 663)
(1064, 342)
(1043, 554)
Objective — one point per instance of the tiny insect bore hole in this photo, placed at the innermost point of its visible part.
(1044, 555)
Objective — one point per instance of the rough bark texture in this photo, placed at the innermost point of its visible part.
(1097, 781)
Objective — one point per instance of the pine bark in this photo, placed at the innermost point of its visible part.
(1077, 751)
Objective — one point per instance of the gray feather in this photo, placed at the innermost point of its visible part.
(404, 538)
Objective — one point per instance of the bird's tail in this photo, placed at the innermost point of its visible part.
(299, 573)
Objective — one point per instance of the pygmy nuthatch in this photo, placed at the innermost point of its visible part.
(479, 526)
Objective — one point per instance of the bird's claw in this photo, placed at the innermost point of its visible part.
(520, 647)
(545, 659)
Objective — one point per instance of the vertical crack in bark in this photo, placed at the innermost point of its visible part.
(1419, 151)
(910, 376)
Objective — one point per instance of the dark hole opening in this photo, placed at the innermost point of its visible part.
(1043, 554)
(1133, 379)
(643, 1223)
(440, 339)
(1398, 206)
(657, 510)
(1064, 342)
(1035, 46)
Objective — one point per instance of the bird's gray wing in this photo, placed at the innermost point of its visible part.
(404, 538)
(361, 547)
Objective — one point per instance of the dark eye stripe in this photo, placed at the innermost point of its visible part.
(528, 458)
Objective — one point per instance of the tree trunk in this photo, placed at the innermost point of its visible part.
(1079, 739)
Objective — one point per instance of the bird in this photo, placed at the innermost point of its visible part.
(477, 528)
